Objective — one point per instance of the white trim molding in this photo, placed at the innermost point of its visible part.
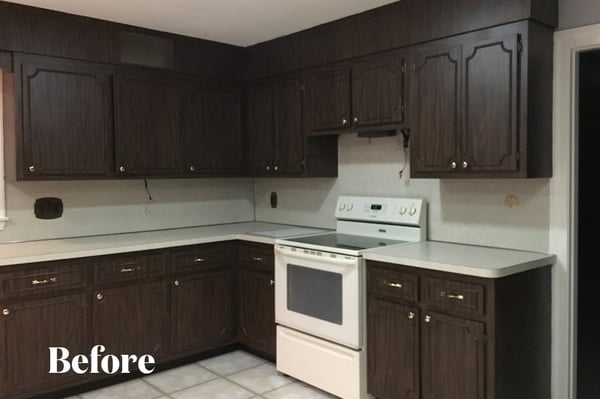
(563, 205)
(3, 218)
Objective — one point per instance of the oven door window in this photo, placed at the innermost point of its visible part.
(315, 293)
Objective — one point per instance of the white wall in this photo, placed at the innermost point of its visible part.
(465, 211)
(573, 13)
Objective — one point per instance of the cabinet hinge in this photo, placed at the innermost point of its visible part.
(519, 46)
(403, 110)
(403, 69)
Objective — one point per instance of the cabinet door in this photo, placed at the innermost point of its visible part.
(378, 91)
(453, 351)
(435, 109)
(66, 119)
(213, 133)
(131, 319)
(201, 310)
(27, 330)
(393, 354)
(257, 310)
(289, 127)
(261, 130)
(490, 105)
(328, 100)
(148, 125)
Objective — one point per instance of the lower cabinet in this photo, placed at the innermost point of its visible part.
(131, 319)
(455, 336)
(201, 316)
(27, 329)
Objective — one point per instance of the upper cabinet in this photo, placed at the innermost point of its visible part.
(148, 124)
(65, 124)
(480, 104)
(369, 94)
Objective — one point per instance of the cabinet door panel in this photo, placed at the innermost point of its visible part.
(257, 310)
(490, 107)
(328, 100)
(25, 357)
(435, 109)
(378, 91)
(131, 319)
(67, 118)
(213, 134)
(393, 355)
(289, 127)
(201, 309)
(453, 358)
(148, 125)
(261, 130)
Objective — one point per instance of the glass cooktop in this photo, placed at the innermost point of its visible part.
(345, 241)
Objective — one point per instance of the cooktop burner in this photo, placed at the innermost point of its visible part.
(345, 241)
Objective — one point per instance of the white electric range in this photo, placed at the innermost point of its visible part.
(320, 291)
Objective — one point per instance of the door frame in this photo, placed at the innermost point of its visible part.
(568, 44)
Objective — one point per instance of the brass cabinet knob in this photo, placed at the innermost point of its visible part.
(99, 296)
(176, 283)
(121, 168)
(268, 168)
(276, 168)
(453, 165)
(356, 119)
(465, 164)
(427, 319)
(31, 168)
(192, 168)
(272, 283)
(411, 315)
(5, 312)
(344, 121)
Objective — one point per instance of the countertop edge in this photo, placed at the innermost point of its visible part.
(461, 269)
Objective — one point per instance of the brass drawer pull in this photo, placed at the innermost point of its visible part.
(427, 319)
(199, 260)
(5, 312)
(44, 281)
(458, 297)
(127, 270)
(393, 284)
(257, 258)
(411, 315)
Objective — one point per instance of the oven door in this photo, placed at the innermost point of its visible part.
(319, 293)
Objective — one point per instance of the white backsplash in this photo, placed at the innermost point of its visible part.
(464, 211)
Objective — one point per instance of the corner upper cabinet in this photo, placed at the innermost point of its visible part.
(148, 124)
(367, 94)
(213, 131)
(480, 104)
(65, 127)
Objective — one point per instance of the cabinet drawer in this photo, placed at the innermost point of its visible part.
(261, 255)
(454, 296)
(47, 277)
(126, 267)
(191, 258)
(393, 283)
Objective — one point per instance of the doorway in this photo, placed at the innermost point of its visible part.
(588, 269)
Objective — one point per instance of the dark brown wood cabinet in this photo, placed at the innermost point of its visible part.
(28, 327)
(201, 310)
(470, 101)
(275, 127)
(367, 94)
(256, 294)
(65, 127)
(442, 335)
(149, 111)
(131, 319)
(213, 139)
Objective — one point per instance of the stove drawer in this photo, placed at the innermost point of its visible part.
(458, 297)
(397, 284)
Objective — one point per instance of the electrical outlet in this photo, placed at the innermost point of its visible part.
(274, 199)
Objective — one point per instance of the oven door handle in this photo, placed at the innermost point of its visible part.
(297, 253)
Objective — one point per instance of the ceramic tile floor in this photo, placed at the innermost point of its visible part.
(235, 375)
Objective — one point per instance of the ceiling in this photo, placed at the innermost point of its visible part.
(240, 22)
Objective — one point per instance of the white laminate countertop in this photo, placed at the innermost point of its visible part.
(70, 248)
(470, 260)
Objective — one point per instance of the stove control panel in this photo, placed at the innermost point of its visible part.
(404, 211)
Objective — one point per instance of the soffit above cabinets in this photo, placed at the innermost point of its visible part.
(239, 22)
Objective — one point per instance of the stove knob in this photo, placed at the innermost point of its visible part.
(349, 207)
(413, 211)
(342, 207)
(403, 210)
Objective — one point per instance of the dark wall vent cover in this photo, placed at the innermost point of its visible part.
(48, 208)
(147, 50)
